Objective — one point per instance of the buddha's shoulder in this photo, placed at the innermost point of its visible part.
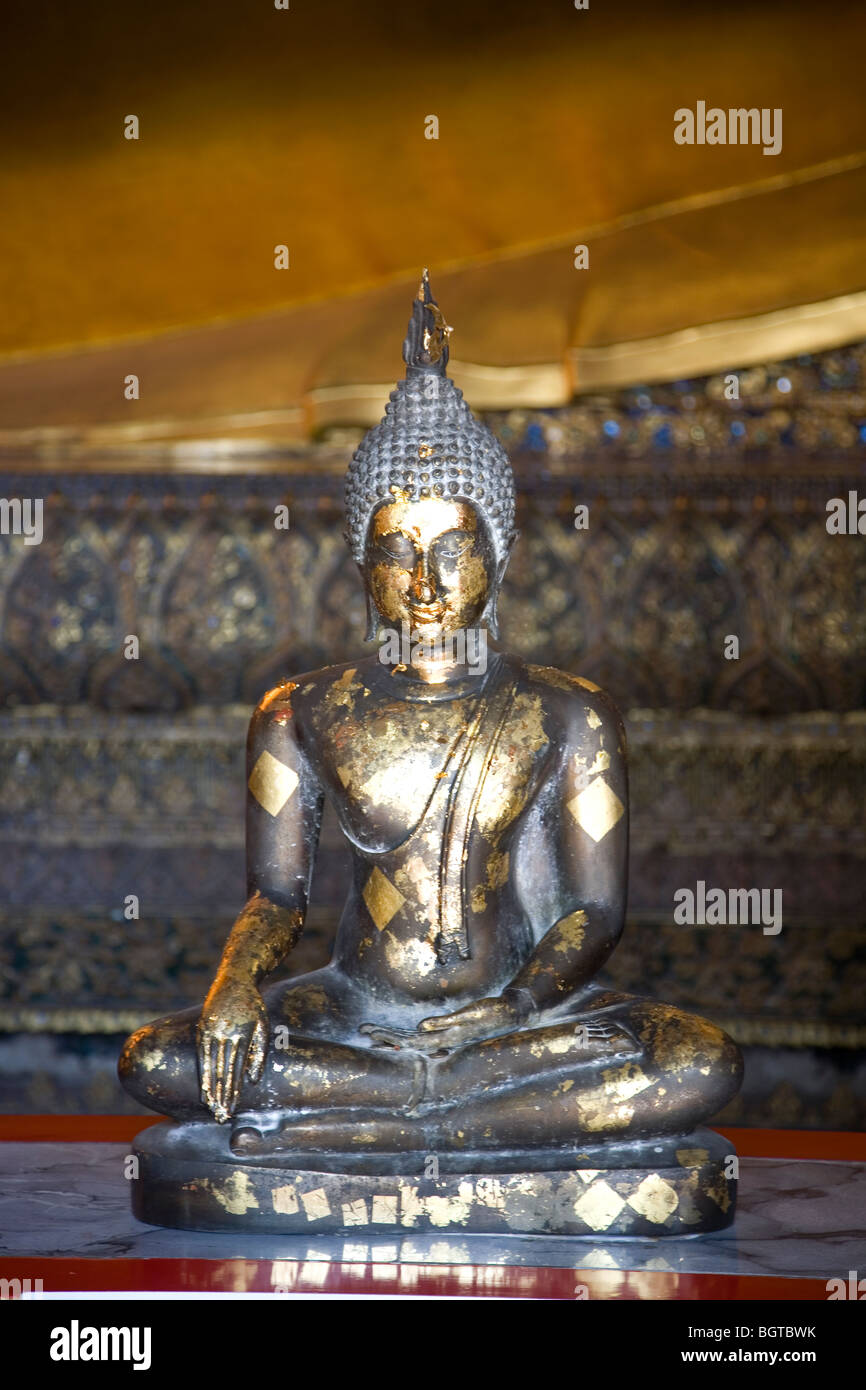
(313, 693)
(574, 701)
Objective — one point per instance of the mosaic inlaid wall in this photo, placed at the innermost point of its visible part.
(642, 601)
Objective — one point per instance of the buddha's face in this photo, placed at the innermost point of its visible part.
(430, 563)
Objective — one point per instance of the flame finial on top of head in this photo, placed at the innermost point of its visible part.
(425, 347)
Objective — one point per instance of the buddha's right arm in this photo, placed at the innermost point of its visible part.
(284, 811)
(262, 936)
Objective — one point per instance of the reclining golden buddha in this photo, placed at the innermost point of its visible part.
(485, 803)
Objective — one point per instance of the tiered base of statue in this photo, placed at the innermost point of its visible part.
(189, 1178)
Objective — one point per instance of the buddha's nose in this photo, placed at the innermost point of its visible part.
(422, 584)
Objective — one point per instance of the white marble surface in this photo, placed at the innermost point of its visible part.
(796, 1218)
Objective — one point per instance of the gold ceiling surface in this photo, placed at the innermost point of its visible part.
(306, 127)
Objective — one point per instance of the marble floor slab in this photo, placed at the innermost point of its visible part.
(796, 1218)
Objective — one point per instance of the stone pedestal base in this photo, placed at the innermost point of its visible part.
(189, 1178)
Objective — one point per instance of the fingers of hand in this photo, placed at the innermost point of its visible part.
(395, 1038)
(452, 1036)
(218, 1067)
(221, 1060)
(440, 1021)
(205, 1065)
(234, 1075)
(255, 1059)
(230, 1049)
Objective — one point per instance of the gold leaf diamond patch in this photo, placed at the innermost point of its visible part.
(596, 809)
(655, 1199)
(599, 1206)
(272, 783)
(382, 898)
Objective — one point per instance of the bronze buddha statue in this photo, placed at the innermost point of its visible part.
(460, 1016)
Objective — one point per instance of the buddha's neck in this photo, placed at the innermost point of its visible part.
(439, 670)
(437, 679)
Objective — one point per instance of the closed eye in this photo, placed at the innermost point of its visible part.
(452, 545)
(398, 547)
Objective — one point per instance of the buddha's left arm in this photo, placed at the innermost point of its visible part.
(587, 880)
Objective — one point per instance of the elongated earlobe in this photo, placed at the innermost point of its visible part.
(490, 616)
(374, 620)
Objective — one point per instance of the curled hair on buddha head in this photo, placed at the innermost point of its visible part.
(429, 444)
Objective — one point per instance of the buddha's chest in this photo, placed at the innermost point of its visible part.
(393, 767)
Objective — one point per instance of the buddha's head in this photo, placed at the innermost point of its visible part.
(430, 497)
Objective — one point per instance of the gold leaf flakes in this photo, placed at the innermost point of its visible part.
(235, 1194)
(284, 1200)
(355, 1213)
(692, 1158)
(571, 931)
(385, 1210)
(316, 1204)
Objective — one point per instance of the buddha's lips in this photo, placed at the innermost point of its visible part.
(422, 615)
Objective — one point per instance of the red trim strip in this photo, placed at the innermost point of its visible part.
(74, 1275)
(834, 1144)
(93, 1129)
(831, 1144)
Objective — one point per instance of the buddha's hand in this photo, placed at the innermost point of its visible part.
(232, 1039)
(483, 1019)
